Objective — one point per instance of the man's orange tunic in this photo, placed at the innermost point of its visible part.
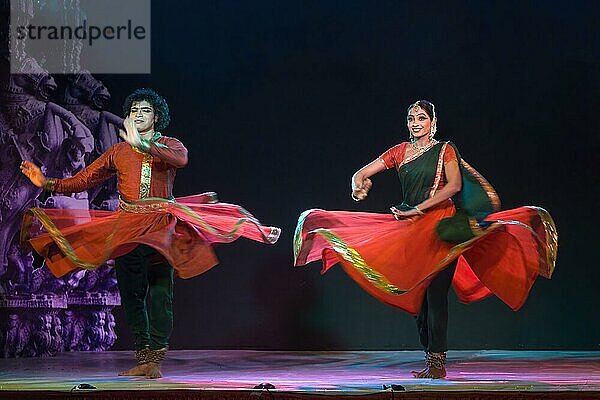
(180, 230)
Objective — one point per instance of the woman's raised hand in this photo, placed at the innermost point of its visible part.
(405, 214)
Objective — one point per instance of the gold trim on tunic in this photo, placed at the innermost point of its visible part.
(145, 176)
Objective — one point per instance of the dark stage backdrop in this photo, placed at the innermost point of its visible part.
(279, 102)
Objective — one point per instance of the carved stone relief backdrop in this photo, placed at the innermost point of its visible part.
(58, 123)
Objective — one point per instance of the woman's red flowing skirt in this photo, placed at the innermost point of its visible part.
(395, 260)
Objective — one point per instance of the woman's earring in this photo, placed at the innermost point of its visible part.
(432, 131)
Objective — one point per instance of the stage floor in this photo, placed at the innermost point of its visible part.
(336, 372)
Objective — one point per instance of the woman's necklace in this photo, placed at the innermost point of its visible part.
(419, 150)
(423, 149)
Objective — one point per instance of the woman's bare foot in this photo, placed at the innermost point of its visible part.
(430, 373)
(153, 371)
(138, 370)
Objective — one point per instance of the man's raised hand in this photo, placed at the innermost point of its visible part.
(34, 173)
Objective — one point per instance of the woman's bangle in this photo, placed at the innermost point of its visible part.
(418, 210)
(354, 197)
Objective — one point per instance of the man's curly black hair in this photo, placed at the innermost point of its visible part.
(161, 108)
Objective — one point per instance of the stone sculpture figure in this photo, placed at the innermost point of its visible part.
(110, 336)
(16, 337)
(86, 97)
(57, 342)
(95, 334)
(72, 330)
(41, 338)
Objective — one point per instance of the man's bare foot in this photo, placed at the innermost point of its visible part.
(430, 373)
(153, 371)
(138, 370)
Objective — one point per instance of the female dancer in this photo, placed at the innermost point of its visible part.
(448, 230)
(151, 234)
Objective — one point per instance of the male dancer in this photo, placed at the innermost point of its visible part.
(154, 232)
